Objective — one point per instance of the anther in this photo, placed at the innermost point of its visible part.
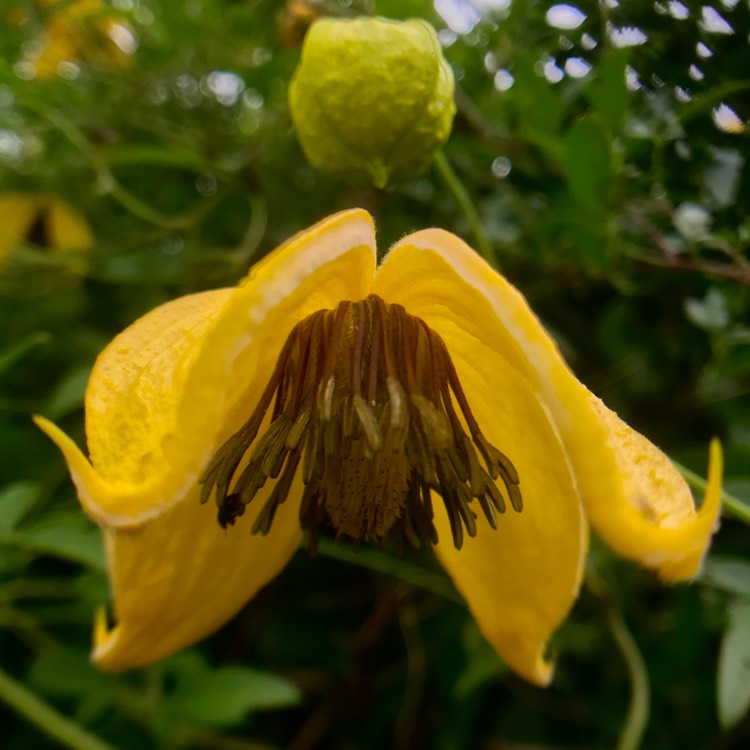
(367, 412)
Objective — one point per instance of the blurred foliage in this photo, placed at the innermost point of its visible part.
(608, 166)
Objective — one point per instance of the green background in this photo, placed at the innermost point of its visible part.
(621, 213)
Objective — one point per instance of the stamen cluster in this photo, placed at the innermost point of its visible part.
(361, 403)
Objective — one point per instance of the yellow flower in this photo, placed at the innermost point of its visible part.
(40, 219)
(413, 376)
(81, 30)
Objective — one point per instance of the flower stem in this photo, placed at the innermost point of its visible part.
(47, 719)
(636, 719)
(462, 197)
(731, 505)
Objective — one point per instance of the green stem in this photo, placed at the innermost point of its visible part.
(110, 186)
(381, 562)
(10, 356)
(636, 719)
(256, 229)
(731, 505)
(140, 209)
(706, 101)
(47, 719)
(462, 197)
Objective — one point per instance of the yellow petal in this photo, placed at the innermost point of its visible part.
(131, 404)
(17, 213)
(67, 228)
(179, 577)
(316, 269)
(75, 31)
(659, 525)
(168, 391)
(162, 397)
(57, 44)
(521, 580)
(436, 263)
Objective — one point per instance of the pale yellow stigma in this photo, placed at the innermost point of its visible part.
(364, 405)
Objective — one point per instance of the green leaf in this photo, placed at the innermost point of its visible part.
(730, 574)
(16, 500)
(733, 694)
(223, 697)
(540, 108)
(582, 232)
(587, 159)
(608, 93)
(67, 534)
(68, 672)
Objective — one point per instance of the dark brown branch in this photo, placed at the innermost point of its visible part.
(709, 268)
(670, 259)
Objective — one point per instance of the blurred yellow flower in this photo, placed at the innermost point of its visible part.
(81, 30)
(43, 220)
(377, 400)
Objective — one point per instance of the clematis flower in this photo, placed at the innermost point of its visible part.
(78, 30)
(41, 219)
(419, 399)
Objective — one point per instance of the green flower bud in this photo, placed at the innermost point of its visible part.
(372, 96)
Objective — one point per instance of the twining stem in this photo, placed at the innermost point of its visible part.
(732, 506)
(462, 197)
(703, 103)
(110, 186)
(47, 719)
(10, 356)
(636, 719)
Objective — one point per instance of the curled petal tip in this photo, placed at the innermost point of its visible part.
(102, 637)
(537, 669)
(545, 670)
(704, 525)
(710, 510)
(109, 504)
(87, 481)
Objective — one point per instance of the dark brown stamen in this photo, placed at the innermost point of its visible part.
(364, 409)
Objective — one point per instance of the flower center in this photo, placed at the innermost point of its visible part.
(364, 401)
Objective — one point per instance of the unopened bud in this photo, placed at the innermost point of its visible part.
(372, 96)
